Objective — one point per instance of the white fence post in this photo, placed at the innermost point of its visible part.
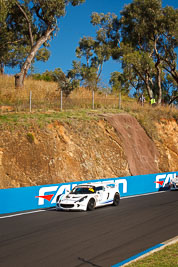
(61, 100)
(30, 101)
(93, 99)
(119, 100)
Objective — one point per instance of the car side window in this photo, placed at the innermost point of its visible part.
(100, 188)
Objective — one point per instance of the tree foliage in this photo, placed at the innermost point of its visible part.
(33, 24)
(149, 43)
(119, 82)
(66, 82)
(144, 41)
(93, 52)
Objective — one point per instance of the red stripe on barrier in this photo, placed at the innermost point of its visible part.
(47, 197)
(160, 182)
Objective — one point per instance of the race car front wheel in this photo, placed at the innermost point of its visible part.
(116, 199)
(91, 204)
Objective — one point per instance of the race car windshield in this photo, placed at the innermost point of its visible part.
(83, 190)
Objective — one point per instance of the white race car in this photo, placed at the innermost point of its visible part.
(174, 183)
(88, 197)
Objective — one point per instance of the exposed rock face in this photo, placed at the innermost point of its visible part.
(168, 145)
(140, 150)
(84, 150)
(61, 153)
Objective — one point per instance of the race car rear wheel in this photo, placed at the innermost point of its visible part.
(91, 204)
(116, 199)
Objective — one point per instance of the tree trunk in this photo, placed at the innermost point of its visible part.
(158, 69)
(159, 83)
(2, 68)
(146, 81)
(20, 77)
(19, 80)
(149, 90)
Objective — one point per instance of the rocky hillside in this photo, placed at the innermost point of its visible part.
(105, 147)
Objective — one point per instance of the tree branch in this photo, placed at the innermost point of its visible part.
(28, 21)
(173, 73)
(172, 100)
(41, 17)
(100, 67)
(11, 43)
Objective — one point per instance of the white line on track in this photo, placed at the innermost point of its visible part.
(37, 211)
(142, 195)
(19, 214)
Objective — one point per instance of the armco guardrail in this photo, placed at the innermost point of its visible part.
(37, 197)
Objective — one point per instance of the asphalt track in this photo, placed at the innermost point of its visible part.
(99, 238)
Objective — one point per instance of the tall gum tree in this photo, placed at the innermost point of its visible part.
(96, 51)
(148, 28)
(36, 21)
(14, 44)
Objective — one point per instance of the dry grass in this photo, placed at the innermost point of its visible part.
(147, 116)
(168, 257)
(46, 97)
(40, 90)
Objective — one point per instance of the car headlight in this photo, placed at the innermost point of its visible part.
(82, 199)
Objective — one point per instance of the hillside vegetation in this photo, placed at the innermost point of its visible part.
(46, 94)
(50, 146)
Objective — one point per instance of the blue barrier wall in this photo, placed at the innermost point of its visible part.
(39, 197)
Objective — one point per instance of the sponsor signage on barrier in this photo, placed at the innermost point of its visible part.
(37, 197)
(164, 179)
(60, 189)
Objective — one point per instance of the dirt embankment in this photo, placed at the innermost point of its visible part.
(113, 146)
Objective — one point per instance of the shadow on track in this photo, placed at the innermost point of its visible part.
(89, 262)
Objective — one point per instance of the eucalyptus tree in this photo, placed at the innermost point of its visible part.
(119, 82)
(14, 44)
(169, 42)
(2, 18)
(87, 70)
(149, 42)
(93, 52)
(5, 36)
(139, 66)
(66, 83)
(35, 23)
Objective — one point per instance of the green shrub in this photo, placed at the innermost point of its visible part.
(30, 138)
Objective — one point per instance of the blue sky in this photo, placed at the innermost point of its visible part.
(74, 26)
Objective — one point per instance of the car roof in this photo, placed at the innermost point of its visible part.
(97, 184)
